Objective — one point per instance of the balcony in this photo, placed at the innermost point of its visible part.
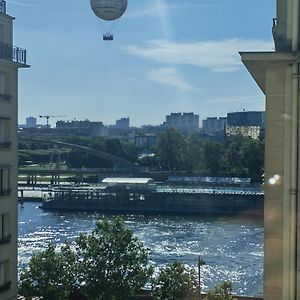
(5, 239)
(5, 145)
(5, 97)
(3, 7)
(12, 53)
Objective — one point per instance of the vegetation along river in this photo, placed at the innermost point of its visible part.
(231, 247)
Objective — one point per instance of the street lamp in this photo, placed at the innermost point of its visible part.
(201, 262)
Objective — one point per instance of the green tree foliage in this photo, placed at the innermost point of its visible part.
(149, 161)
(195, 153)
(221, 292)
(109, 264)
(76, 158)
(237, 156)
(172, 150)
(175, 282)
(113, 263)
(50, 274)
(212, 153)
(243, 156)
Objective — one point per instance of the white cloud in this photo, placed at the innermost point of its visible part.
(151, 10)
(232, 99)
(25, 4)
(170, 76)
(216, 55)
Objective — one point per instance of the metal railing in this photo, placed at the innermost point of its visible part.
(12, 53)
(5, 97)
(5, 145)
(3, 7)
(5, 192)
(4, 239)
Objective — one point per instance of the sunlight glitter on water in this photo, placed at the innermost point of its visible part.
(232, 248)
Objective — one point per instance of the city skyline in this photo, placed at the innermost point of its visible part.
(34, 121)
(166, 57)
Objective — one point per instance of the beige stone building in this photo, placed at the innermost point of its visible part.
(11, 59)
(277, 75)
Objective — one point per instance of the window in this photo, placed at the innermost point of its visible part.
(4, 181)
(4, 95)
(4, 276)
(4, 228)
(4, 133)
(2, 33)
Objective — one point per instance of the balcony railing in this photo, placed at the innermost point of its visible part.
(12, 53)
(3, 7)
(4, 287)
(5, 97)
(5, 145)
(5, 239)
(5, 192)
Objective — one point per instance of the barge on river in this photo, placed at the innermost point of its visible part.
(143, 196)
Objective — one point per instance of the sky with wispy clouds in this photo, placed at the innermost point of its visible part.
(167, 56)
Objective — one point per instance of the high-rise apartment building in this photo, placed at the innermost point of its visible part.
(123, 123)
(185, 122)
(211, 125)
(246, 118)
(11, 59)
(31, 122)
(246, 123)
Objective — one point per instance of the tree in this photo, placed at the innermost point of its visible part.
(243, 156)
(212, 153)
(253, 158)
(113, 263)
(109, 263)
(172, 150)
(195, 153)
(221, 292)
(50, 274)
(175, 282)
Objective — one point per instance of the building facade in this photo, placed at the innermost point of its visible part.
(86, 128)
(246, 118)
(185, 122)
(277, 75)
(213, 125)
(249, 131)
(11, 59)
(123, 123)
(31, 122)
(246, 123)
(145, 141)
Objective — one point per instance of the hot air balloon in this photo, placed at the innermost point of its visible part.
(109, 11)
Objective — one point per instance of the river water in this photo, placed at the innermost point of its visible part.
(231, 247)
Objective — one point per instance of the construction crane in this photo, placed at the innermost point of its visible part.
(47, 118)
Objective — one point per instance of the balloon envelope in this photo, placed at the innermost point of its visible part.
(108, 9)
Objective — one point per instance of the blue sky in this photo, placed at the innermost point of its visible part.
(167, 56)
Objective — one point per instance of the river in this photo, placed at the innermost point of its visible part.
(231, 247)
